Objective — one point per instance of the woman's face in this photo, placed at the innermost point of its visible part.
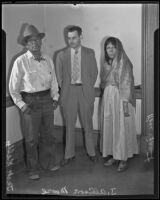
(111, 50)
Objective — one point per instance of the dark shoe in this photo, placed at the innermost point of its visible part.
(122, 166)
(34, 176)
(105, 159)
(66, 161)
(93, 158)
(54, 168)
(110, 162)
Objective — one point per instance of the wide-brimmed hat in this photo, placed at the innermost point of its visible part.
(29, 32)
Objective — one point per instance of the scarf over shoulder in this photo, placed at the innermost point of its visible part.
(122, 70)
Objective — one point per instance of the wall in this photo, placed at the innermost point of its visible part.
(97, 21)
(13, 16)
(13, 125)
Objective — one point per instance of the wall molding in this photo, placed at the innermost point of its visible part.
(138, 95)
(9, 102)
(18, 154)
(150, 22)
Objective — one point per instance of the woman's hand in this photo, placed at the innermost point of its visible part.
(55, 104)
(125, 108)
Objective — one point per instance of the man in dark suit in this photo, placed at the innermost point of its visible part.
(76, 70)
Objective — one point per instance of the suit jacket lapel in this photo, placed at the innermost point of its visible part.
(82, 62)
(68, 60)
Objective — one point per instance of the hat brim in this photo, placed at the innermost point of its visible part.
(25, 39)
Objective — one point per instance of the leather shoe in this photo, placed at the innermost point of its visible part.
(54, 168)
(122, 166)
(109, 162)
(93, 158)
(66, 161)
(105, 159)
(34, 177)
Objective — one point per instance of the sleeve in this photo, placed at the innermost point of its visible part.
(94, 68)
(127, 82)
(59, 69)
(15, 83)
(54, 83)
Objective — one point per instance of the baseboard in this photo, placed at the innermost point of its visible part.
(18, 147)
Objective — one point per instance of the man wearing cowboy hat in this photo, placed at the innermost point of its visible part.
(34, 89)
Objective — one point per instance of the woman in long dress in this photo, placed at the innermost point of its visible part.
(118, 130)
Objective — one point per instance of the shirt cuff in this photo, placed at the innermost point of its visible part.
(56, 97)
(20, 104)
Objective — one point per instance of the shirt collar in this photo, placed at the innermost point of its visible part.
(73, 50)
(30, 55)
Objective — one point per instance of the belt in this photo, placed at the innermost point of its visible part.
(77, 84)
(35, 94)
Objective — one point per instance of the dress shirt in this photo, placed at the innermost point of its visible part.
(79, 80)
(30, 75)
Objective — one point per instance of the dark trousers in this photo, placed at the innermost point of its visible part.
(39, 139)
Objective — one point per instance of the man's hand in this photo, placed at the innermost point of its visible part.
(26, 109)
(125, 108)
(55, 104)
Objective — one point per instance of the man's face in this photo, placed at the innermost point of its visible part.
(34, 44)
(74, 40)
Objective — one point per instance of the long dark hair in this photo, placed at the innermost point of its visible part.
(117, 44)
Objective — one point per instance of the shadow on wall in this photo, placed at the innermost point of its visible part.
(54, 61)
(19, 39)
(65, 31)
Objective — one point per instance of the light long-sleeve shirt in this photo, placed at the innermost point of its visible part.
(31, 76)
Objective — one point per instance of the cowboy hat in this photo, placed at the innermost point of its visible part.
(29, 32)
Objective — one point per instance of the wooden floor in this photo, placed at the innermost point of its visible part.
(82, 177)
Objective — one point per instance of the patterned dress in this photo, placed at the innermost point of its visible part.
(118, 133)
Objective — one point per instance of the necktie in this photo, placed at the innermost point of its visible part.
(75, 70)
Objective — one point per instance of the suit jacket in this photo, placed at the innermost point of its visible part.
(89, 73)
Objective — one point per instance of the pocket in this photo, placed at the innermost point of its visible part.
(28, 111)
(27, 99)
(48, 102)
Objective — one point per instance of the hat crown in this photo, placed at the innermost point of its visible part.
(30, 30)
